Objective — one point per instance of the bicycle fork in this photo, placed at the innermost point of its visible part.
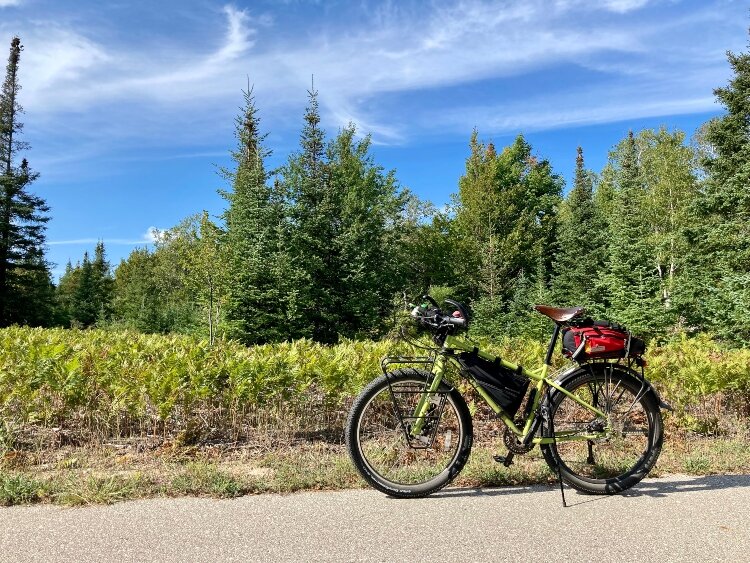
(420, 411)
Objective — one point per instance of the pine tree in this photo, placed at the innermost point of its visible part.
(581, 254)
(722, 230)
(24, 274)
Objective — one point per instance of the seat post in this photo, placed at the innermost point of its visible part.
(551, 347)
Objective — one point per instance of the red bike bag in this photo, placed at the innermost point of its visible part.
(600, 340)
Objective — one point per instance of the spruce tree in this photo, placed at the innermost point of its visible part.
(85, 308)
(315, 211)
(24, 274)
(722, 230)
(366, 231)
(256, 309)
(103, 283)
(632, 279)
(581, 248)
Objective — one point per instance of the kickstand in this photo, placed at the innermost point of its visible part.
(559, 472)
(562, 489)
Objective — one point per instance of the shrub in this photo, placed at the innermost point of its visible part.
(94, 384)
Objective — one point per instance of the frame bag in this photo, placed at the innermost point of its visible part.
(504, 385)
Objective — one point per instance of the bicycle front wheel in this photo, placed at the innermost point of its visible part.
(386, 451)
(629, 438)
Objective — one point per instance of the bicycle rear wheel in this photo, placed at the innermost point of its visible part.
(632, 432)
(385, 451)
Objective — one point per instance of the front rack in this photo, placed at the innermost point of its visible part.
(421, 360)
(403, 395)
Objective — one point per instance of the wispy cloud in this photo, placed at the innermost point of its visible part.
(151, 236)
(7, 3)
(617, 6)
(106, 241)
(69, 71)
(402, 48)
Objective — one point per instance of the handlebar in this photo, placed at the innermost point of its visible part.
(435, 317)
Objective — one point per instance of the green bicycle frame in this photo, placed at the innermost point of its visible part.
(539, 375)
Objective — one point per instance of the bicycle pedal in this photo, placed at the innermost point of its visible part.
(507, 461)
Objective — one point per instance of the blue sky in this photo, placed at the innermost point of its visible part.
(130, 104)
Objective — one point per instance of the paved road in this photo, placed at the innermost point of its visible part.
(674, 519)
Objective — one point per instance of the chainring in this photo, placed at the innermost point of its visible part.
(513, 444)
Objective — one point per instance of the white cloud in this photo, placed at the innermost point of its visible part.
(7, 3)
(65, 70)
(617, 6)
(622, 6)
(533, 116)
(151, 236)
(106, 241)
(55, 59)
(147, 92)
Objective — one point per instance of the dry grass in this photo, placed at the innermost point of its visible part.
(71, 475)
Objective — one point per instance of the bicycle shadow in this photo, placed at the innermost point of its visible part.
(655, 488)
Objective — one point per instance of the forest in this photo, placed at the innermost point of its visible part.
(324, 247)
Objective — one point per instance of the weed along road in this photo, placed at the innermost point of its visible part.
(670, 519)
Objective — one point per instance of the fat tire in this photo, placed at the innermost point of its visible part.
(382, 484)
(620, 483)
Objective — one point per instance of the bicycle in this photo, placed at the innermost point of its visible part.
(598, 423)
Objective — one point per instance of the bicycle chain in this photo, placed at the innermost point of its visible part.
(513, 444)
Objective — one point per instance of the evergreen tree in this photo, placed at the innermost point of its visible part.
(367, 234)
(505, 225)
(632, 279)
(85, 308)
(315, 214)
(84, 294)
(257, 308)
(722, 231)
(581, 254)
(103, 283)
(24, 274)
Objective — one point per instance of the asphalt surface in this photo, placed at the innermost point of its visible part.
(672, 519)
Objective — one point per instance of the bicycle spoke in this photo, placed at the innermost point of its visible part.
(408, 459)
(621, 446)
